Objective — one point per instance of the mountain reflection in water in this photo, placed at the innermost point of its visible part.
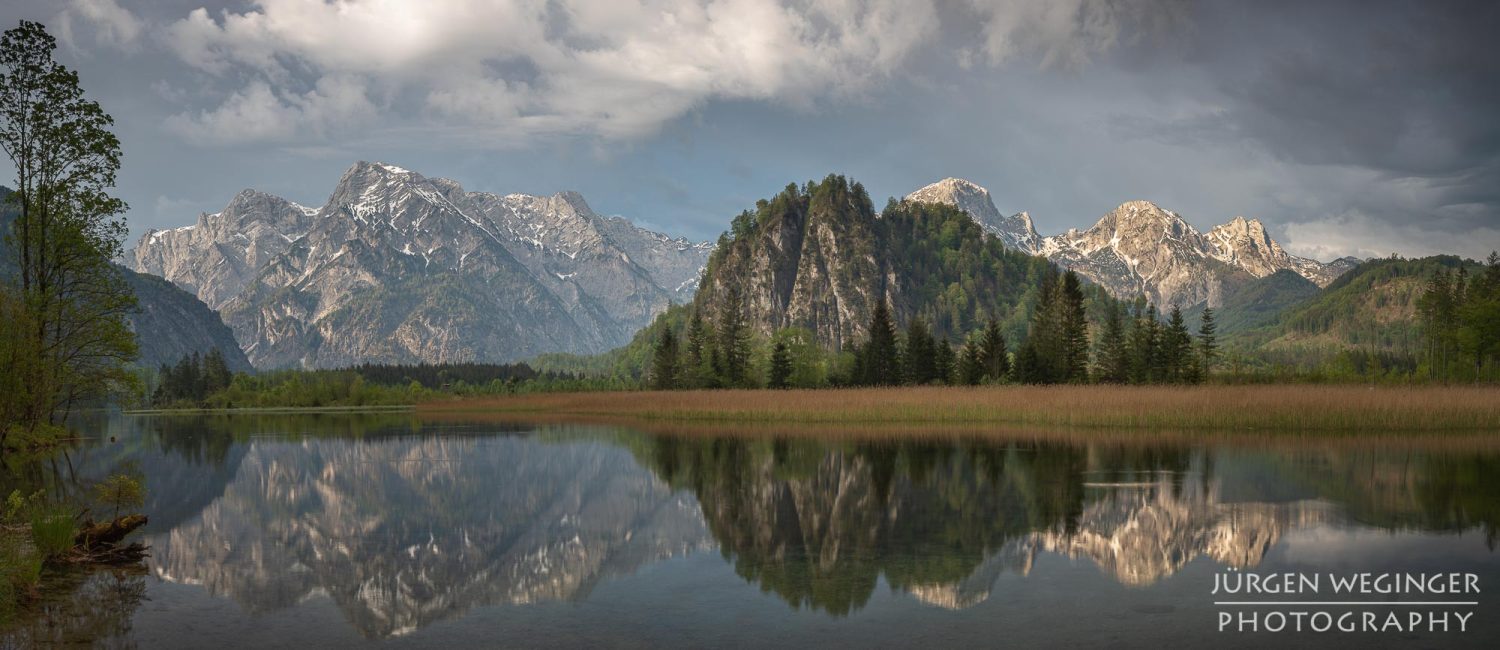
(402, 524)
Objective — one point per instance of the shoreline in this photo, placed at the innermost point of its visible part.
(1276, 410)
(275, 410)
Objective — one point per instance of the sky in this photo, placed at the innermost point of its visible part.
(1349, 128)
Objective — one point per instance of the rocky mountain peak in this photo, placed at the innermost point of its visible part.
(1016, 231)
(962, 194)
(1141, 248)
(574, 201)
(1245, 243)
(1141, 217)
(397, 267)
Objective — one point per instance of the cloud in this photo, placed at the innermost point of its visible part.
(615, 69)
(261, 114)
(1070, 33)
(1364, 235)
(111, 25)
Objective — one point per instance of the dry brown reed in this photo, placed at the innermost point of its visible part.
(1260, 409)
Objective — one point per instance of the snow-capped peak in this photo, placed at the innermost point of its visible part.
(1015, 231)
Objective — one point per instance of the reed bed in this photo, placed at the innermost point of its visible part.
(1262, 409)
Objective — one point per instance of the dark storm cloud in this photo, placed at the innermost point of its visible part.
(1349, 127)
(1413, 93)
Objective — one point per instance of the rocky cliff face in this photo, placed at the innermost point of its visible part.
(819, 257)
(1140, 248)
(397, 267)
(171, 323)
(807, 261)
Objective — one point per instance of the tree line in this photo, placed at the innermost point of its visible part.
(192, 379)
(1460, 322)
(205, 381)
(1132, 344)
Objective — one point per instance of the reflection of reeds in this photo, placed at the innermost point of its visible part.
(1461, 442)
(1240, 409)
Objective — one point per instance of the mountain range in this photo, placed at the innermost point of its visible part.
(398, 267)
(1140, 248)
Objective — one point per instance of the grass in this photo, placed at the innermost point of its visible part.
(274, 410)
(1292, 409)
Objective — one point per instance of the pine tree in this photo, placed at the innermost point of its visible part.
(664, 361)
(1046, 336)
(1142, 345)
(734, 339)
(781, 366)
(970, 365)
(919, 364)
(1075, 331)
(1176, 347)
(882, 365)
(1479, 316)
(698, 368)
(1208, 343)
(216, 375)
(697, 338)
(994, 359)
(1114, 360)
(944, 361)
(1029, 368)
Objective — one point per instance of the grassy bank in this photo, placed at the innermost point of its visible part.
(273, 410)
(1221, 408)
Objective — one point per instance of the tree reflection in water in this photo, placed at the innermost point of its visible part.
(81, 608)
(401, 524)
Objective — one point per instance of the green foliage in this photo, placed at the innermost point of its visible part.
(32, 531)
(730, 357)
(971, 367)
(64, 232)
(1113, 358)
(880, 359)
(1058, 340)
(192, 379)
(946, 269)
(1257, 303)
(993, 358)
(781, 366)
(1386, 321)
(1460, 320)
(1208, 342)
(919, 357)
(664, 364)
(52, 529)
(120, 491)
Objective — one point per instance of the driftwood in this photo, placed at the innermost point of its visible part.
(99, 543)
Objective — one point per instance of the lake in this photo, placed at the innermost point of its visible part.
(382, 529)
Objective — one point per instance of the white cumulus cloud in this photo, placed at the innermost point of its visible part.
(110, 24)
(611, 68)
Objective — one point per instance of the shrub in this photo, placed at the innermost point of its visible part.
(120, 491)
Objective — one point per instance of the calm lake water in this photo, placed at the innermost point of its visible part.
(349, 530)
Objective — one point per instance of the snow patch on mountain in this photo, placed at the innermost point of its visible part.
(1140, 248)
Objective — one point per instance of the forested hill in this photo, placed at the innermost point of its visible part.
(819, 257)
(170, 323)
(1374, 309)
